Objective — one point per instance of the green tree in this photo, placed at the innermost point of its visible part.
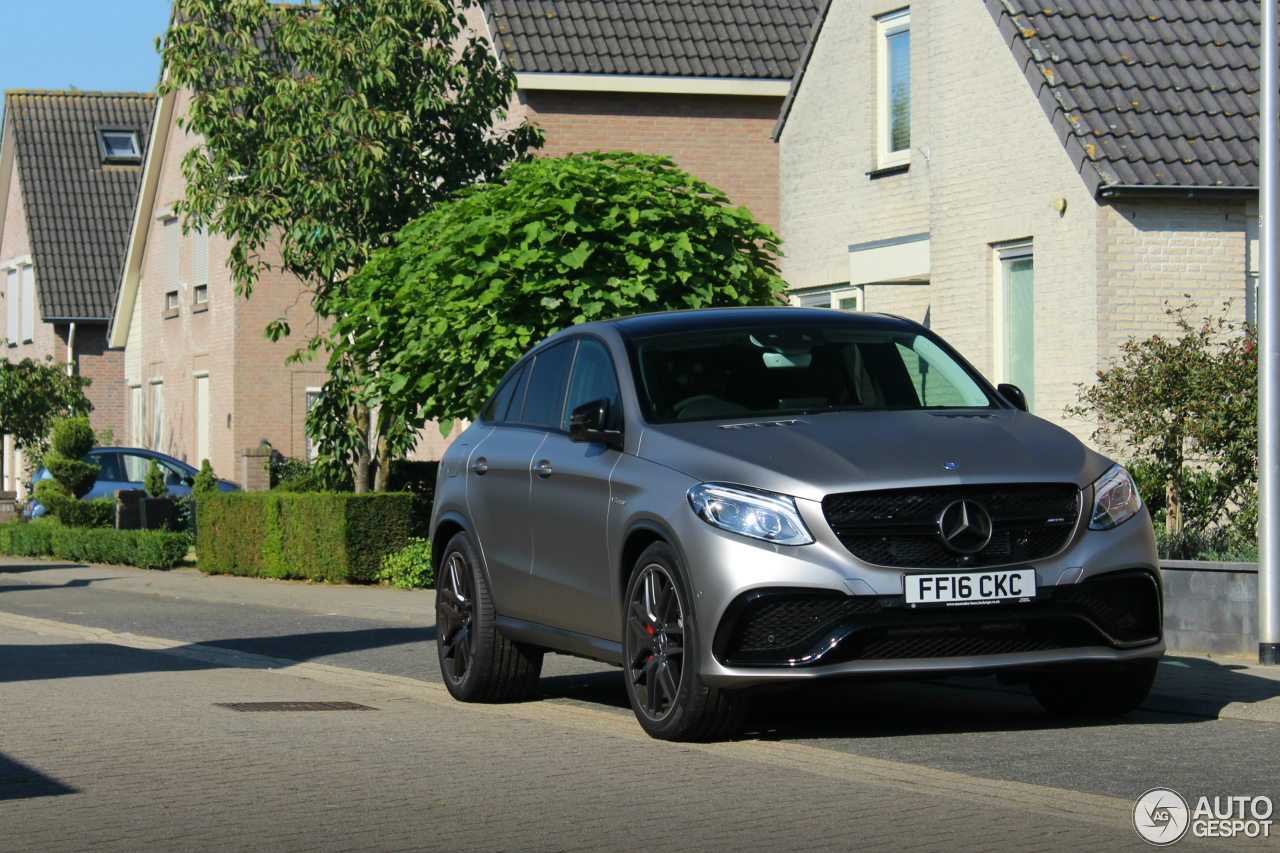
(432, 322)
(33, 396)
(70, 478)
(326, 129)
(1186, 406)
(206, 481)
(153, 482)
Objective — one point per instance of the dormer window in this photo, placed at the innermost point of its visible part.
(120, 146)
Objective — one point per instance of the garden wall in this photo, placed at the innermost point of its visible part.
(1211, 608)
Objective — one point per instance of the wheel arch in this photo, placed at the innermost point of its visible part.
(449, 525)
(640, 536)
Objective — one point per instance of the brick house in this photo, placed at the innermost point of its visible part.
(1032, 180)
(70, 163)
(702, 82)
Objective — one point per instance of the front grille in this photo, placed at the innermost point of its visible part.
(899, 527)
(795, 628)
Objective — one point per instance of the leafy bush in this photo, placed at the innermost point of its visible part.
(1170, 401)
(305, 483)
(282, 469)
(1217, 545)
(206, 481)
(70, 479)
(410, 567)
(146, 549)
(314, 536)
(419, 480)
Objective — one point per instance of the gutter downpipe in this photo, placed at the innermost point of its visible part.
(71, 349)
(1269, 350)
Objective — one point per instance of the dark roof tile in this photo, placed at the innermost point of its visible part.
(749, 39)
(78, 209)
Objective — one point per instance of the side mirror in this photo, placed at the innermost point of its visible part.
(188, 480)
(589, 423)
(1014, 395)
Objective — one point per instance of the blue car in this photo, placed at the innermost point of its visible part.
(126, 468)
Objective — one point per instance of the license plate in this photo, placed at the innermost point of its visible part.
(969, 588)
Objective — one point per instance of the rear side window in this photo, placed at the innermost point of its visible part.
(110, 465)
(544, 401)
(498, 409)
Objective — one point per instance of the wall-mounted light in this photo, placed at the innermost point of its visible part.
(1060, 205)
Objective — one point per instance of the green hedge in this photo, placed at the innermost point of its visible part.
(146, 549)
(321, 536)
(419, 480)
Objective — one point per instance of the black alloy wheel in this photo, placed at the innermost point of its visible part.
(659, 645)
(657, 656)
(455, 611)
(477, 662)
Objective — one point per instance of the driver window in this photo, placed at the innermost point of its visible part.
(593, 378)
(135, 467)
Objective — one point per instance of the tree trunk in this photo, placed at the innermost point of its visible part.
(363, 458)
(1173, 494)
(2, 455)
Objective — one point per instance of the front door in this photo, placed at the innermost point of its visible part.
(570, 507)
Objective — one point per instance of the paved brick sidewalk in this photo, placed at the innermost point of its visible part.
(1228, 688)
(118, 746)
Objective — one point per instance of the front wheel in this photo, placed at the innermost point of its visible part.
(477, 662)
(659, 645)
(1101, 693)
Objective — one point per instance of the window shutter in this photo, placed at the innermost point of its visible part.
(200, 257)
(28, 303)
(171, 234)
(11, 296)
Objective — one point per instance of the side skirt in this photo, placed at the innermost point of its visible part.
(557, 639)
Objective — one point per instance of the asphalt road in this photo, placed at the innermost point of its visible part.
(976, 729)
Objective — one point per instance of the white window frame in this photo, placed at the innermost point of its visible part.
(156, 431)
(834, 297)
(1001, 253)
(13, 282)
(108, 157)
(28, 303)
(137, 416)
(308, 400)
(204, 416)
(887, 25)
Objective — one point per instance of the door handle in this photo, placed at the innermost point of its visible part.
(479, 466)
(542, 469)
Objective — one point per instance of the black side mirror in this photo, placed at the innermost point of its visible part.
(589, 423)
(188, 480)
(1014, 395)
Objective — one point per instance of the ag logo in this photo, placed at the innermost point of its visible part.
(1161, 817)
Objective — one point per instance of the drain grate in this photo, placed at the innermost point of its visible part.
(294, 706)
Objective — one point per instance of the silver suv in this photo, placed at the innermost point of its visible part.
(723, 500)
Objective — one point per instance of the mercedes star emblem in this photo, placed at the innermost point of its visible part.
(965, 527)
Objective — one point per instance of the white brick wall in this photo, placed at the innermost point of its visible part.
(986, 168)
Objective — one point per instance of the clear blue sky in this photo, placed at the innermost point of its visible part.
(89, 44)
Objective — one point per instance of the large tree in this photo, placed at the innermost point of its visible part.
(435, 320)
(328, 127)
(33, 396)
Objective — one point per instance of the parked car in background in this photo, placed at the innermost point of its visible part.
(728, 500)
(126, 468)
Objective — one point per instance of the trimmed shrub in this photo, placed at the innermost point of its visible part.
(326, 536)
(410, 567)
(305, 483)
(146, 549)
(154, 482)
(206, 481)
(419, 480)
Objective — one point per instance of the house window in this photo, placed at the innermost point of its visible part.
(894, 83)
(120, 146)
(1015, 317)
(157, 415)
(28, 303)
(845, 299)
(202, 419)
(137, 417)
(199, 257)
(11, 296)
(171, 235)
(313, 394)
(200, 295)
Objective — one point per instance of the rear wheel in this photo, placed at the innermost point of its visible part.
(660, 642)
(477, 662)
(1101, 693)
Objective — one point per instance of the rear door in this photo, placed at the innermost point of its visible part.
(498, 475)
(570, 506)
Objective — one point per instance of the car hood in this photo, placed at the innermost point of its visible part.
(814, 455)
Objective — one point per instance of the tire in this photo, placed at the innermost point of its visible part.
(478, 663)
(1101, 693)
(669, 699)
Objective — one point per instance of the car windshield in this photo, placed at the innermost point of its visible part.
(752, 372)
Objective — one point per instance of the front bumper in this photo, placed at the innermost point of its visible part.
(828, 614)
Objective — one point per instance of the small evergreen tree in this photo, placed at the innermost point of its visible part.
(154, 482)
(206, 481)
(71, 479)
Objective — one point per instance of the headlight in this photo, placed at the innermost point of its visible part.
(1115, 499)
(760, 515)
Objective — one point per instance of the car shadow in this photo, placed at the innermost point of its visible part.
(20, 782)
(71, 584)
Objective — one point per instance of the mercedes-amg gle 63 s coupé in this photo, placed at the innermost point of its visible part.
(728, 500)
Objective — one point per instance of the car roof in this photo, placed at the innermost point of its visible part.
(713, 319)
